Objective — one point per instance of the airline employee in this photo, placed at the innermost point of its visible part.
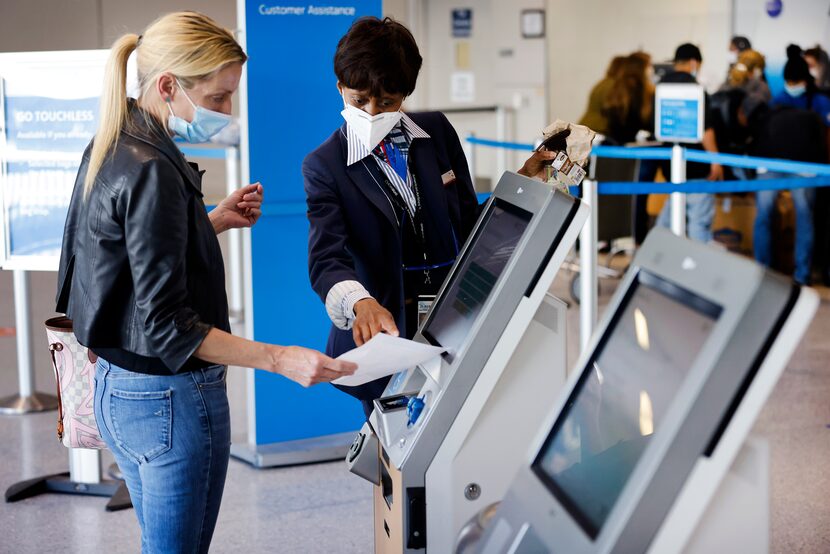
(390, 197)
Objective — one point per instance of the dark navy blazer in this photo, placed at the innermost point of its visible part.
(354, 231)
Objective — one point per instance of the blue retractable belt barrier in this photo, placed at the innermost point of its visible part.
(663, 153)
(632, 153)
(498, 144)
(709, 187)
(210, 153)
(813, 174)
(770, 164)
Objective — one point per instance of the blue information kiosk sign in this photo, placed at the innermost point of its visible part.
(679, 113)
(292, 105)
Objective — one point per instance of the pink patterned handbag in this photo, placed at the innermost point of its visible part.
(75, 375)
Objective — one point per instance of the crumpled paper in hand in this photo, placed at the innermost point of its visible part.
(579, 141)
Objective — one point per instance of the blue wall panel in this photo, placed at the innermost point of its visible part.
(293, 106)
(288, 312)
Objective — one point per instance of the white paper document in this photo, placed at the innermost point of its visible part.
(384, 355)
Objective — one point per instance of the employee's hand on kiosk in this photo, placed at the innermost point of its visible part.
(370, 319)
(309, 367)
(240, 209)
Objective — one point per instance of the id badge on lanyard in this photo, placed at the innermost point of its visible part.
(424, 304)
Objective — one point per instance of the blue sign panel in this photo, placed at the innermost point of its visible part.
(462, 23)
(48, 115)
(293, 106)
(34, 123)
(44, 141)
(679, 119)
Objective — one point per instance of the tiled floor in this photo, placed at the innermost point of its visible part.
(322, 508)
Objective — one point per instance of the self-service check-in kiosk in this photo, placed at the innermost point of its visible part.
(644, 441)
(496, 291)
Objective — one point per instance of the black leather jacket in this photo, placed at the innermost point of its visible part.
(141, 272)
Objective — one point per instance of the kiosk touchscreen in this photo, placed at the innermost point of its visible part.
(491, 296)
(689, 349)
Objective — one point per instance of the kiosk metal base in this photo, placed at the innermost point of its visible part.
(388, 509)
(61, 483)
(37, 402)
(289, 453)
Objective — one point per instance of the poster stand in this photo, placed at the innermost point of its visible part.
(44, 129)
(27, 400)
(83, 478)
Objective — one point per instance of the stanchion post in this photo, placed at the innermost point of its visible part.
(237, 300)
(501, 136)
(470, 152)
(84, 465)
(678, 199)
(28, 400)
(22, 322)
(588, 284)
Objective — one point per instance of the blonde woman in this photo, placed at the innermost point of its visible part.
(142, 277)
(748, 74)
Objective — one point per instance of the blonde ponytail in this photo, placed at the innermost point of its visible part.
(113, 107)
(748, 62)
(189, 45)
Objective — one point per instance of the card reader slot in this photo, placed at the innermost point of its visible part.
(753, 371)
(392, 403)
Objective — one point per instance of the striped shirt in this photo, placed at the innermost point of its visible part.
(342, 297)
(409, 130)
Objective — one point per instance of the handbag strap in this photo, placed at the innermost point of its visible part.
(57, 347)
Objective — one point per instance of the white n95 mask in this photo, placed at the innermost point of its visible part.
(370, 129)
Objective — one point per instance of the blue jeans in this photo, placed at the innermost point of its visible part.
(762, 233)
(700, 211)
(170, 436)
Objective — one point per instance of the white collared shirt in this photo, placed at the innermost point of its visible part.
(342, 297)
(357, 151)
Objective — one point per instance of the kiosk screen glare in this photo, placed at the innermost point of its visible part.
(474, 281)
(622, 400)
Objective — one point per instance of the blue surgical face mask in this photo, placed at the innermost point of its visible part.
(795, 90)
(206, 123)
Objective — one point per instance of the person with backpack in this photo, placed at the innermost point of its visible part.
(788, 133)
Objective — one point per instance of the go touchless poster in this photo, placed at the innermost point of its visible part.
(49, 103)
